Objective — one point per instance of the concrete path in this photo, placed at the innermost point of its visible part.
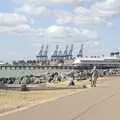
(100, 103)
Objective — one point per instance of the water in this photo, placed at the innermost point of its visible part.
(18, 73)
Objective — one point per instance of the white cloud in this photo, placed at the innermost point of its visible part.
(80, 15)
(61, 1)
(96, 43)
(13, 23)
(43, 2)
(98, 12)
(102, 12)
(51, 33)
(40, 8)
(55, 31)
(12, 19)
(81, 10)
(22, 29)
(92, 43)
(108, 8)
(14, 30)
(62, 17)
(85, 2)
(33, 11)
(69, 33)
(91, 34)
(17, 24)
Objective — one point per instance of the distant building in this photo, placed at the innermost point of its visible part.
(2, 63)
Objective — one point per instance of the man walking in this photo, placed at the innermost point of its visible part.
(94, 76)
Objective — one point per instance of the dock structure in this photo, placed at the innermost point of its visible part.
(40, 54)
(80, 54)
(63, 59)
(65, 54)
(70, 54)
(45, 55)
(55, 67)
(60, 55)
(54, 56)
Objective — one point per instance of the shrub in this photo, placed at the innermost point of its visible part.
(24, 87)
(72, 83)
(84, 86)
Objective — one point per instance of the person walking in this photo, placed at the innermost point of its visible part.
(94, 76)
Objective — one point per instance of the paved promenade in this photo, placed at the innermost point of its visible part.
(100, 103)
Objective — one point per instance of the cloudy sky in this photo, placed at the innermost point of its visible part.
(26, 24)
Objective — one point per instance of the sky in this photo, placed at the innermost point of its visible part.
(27, 24)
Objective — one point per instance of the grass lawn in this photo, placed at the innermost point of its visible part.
(16, 99)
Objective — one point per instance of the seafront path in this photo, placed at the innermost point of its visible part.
(100, 103)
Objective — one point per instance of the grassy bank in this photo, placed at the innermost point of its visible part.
(13, 99)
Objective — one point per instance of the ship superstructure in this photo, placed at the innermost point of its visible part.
(99, 62)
